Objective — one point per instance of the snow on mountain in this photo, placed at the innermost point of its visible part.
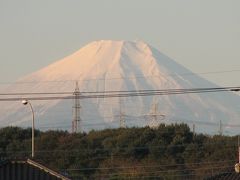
(115, 66)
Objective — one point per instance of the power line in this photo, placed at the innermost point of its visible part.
(155, 174)
(228, 88)
(114, 94)
(169, 170)
(136, 77)
(227, 145)
(148, 166)
(138, 118)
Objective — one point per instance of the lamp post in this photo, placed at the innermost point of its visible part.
(237, 166)
(26, 102)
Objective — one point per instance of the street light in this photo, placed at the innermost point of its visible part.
(26, 102)
(237, 166)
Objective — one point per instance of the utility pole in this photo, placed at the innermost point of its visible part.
(238, 149)
(76, 122)
(237, 165)
(220, 128)
(193, 129)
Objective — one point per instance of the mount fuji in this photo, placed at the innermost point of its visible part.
(121, 66)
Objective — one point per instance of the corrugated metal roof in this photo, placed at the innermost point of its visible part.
(229, 174)
(27, 170)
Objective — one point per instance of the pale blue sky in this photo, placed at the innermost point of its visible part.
(202, 35)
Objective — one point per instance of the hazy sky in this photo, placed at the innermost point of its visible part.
(202, 35)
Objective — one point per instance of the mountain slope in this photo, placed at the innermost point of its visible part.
(117, 66)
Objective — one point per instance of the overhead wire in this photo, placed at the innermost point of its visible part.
(169, 170)
(228, 88)
(138, 76)
(156, 166)
(173, 175)
(142, 118)
(114, 94)
(227, 145)
(110, 94)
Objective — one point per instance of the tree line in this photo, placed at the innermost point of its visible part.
(166, 152)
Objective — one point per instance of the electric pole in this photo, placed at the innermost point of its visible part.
(193, 129)
(220, 128)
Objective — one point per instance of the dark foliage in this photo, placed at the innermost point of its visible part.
(167, 152)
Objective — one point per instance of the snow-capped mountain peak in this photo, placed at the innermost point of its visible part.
(115, 66)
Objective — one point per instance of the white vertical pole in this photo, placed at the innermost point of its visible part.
(238, 150)
(33, 127)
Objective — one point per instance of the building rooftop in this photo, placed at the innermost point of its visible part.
(27, 170)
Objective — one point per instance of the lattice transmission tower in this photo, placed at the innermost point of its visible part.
(76, 122)
(154, 117)
(122, 116)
